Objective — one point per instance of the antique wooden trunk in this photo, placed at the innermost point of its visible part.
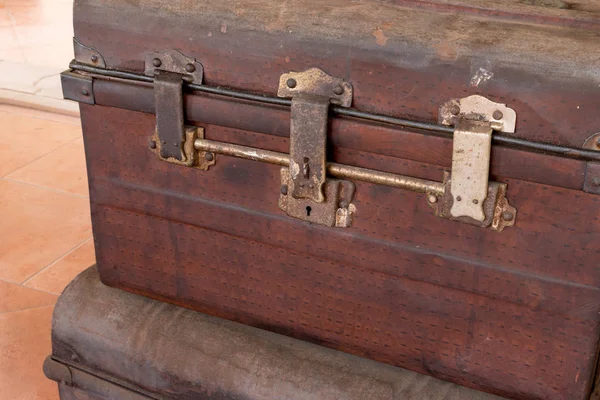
(416, 182)
(105, 347)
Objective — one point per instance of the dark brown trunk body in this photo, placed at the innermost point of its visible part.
(512, 312)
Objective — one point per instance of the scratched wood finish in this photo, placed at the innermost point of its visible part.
(513, 313)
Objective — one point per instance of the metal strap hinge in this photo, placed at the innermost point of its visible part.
(470, 196)
(172, 141)
(306, 193)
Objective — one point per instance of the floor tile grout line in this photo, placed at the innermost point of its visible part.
(44, 155)
(45, 187)
(28, 287)
(26, 309)
(56, 260)
(45, 118)
(40, 157)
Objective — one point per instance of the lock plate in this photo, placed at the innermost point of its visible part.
(336, 210)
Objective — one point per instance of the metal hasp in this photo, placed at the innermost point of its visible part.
(474, 119)
(306, 193)
(173, 141)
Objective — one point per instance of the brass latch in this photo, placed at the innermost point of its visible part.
(172, 141)
(306, 192)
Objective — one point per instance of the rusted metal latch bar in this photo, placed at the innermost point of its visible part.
(333, 169)
(467, 183)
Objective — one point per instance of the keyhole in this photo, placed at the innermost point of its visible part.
(308, 210)
(305, 167)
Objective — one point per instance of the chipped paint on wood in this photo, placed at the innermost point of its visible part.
(480, 77)
(380, 37)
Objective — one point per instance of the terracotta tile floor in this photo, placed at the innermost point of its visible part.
(45, 229)
(45, 239)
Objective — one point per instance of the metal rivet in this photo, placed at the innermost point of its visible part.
(432, 198)
(339, 90)
(291, 83)
(458, 198)
(94, 58)
(507, 216)
(190, 68)
(209, 156)
(152, 144)
(156, 62)
(598, 142)
(73, 357)
(497, 114)
(454, 109)
(284, 189)
(596, 180)
(85, 92)
(475, 201)
(343, 204)
(164, 142)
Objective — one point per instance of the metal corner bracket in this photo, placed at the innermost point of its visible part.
(77, 87)
(87, 55)
(306, 192)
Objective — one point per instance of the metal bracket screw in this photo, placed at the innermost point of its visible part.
(156, 62)
(291, 83)
(507, 216)
(190, 68)
(497, 114)
(338, 90)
